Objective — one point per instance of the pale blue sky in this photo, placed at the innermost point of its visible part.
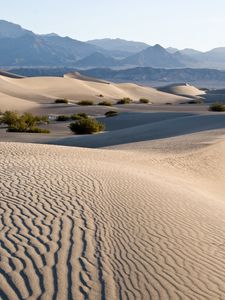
(195, 24)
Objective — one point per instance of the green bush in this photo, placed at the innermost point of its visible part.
(79, 116)
(24, 123)
(86, 126)
(105, 103)
(144, 100)
(9, 118)
(62, 118)
(111, 113)
(58, 101)
(125, 100)
(85, 102)
(218, 106)
(31, 130)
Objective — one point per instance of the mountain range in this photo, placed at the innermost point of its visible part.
(23, 48)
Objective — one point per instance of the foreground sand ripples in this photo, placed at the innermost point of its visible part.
(97, 224)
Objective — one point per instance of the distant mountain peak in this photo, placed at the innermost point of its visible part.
(11, 30)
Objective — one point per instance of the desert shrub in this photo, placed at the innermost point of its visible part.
(196, 101)
(218, 106)
(79, 116)
(125, 100)
(86, 126)
(101, 96)
(31, 130)
(111, 113)
(85, 102)
(9, 118)
(105, 103)
(58, 101)
(168, 103)
(23, 123)
(144, 100)
(62, 118)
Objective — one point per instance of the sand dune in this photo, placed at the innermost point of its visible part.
(99, 224)
(182, 89)
(171, 126)
(44, 90)
(13, 103)
(8, 74)
(141, 219)
(77, 75)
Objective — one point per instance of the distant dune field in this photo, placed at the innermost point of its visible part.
(44, 90)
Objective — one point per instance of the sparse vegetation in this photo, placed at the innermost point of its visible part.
(144, 100)
(86, 126)
(79, 116)
(63, 118)
(111, 113)
(105, 103)
(218, 106)
(9, 118)
(85, 102)
(23, 123)
(124, 100)
(65, 101)
(31, 130)
(196, 101)
(101, 96)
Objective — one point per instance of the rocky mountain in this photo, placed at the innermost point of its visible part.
(155, 56)
(23, 48)
(97, 59)
(119, 45)
(20, 47)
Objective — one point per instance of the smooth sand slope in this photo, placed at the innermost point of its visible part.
(154, 126)
(182, 89)
(113, 224)
(44, 90)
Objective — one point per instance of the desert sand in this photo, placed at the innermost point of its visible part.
(44, 90)
(137, 213)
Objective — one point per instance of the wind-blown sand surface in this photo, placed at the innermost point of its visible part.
(141, 217)
(113, 224)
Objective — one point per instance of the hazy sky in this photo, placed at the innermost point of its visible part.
(195, 24)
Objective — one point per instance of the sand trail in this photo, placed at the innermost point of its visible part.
(111, 224)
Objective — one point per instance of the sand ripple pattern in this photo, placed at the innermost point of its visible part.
(87, 224)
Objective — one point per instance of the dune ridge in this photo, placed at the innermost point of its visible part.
(120, 224)
(44, 90)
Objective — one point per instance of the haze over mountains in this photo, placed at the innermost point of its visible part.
(20, 47)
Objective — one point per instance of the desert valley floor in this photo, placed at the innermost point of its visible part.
(135, 212)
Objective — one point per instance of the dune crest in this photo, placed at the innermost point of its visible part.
(44, 90)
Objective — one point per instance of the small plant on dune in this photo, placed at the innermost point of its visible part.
(218, 106)
(125, 100)
(65, 101)
(85, 102)
(9, 118)
(31, 130)
(111, 113)
(79, 116)
(101, 96)
(63, 118)
(144, 100)
(24, 123)
(86, 126)
(105, 103)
